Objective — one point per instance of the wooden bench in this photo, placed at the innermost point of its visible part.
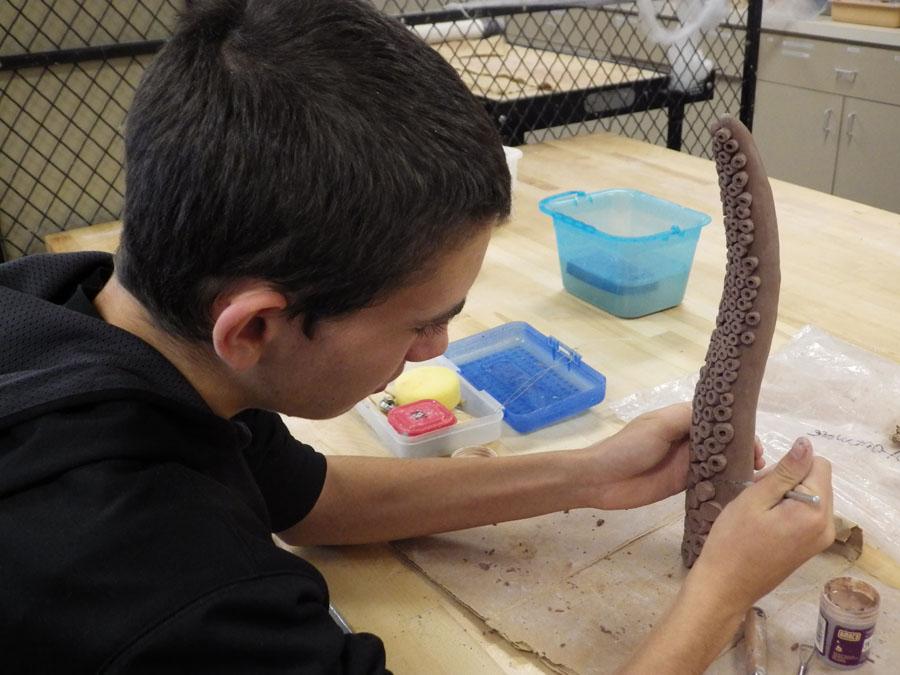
(102, 237)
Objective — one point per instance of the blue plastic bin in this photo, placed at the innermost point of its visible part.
(624, 251)
(537, 379)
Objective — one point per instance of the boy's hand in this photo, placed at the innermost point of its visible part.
(648, 459)
(760, 537)
(756, 541)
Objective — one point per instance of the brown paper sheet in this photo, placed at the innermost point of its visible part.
(495, 568)
(582, 594)
(848, 538)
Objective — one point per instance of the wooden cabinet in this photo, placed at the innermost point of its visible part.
(828, 117)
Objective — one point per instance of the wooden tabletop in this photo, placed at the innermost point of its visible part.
(840, 271)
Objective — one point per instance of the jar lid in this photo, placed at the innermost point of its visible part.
(851, 596)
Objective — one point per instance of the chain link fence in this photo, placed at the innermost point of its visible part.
(68, 71)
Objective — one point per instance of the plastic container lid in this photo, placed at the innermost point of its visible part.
(537, 379)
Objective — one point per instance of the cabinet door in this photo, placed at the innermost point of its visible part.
(797, 133)
(868, 162)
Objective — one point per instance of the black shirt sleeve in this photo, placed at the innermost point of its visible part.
(290, 474)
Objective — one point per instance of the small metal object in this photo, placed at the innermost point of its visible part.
(803, 497)
(845, 74)
(851, 121)
(386, 404)
(339, 620)
(806, 653)
(790, 494)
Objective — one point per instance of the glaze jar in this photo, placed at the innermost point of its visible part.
(848, 609)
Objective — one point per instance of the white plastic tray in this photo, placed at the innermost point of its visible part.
(484, 427)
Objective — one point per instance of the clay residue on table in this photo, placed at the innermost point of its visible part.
(582, 599)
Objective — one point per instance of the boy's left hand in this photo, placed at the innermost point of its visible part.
(648, 459)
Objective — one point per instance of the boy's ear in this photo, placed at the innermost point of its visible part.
(244, 322)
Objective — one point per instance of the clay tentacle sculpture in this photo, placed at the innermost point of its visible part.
(724, 416)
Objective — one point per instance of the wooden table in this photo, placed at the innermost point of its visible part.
(101, 237)
(841, 272)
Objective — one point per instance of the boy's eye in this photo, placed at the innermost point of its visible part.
(431, 330)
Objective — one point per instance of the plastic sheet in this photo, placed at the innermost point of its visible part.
(846, 401)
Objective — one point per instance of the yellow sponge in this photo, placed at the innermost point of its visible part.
(427, 382)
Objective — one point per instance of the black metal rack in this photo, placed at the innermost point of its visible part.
(68, 71)
(517, 117)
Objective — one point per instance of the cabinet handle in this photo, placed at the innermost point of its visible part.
(826, 127)
(845, 74)
(851, 121)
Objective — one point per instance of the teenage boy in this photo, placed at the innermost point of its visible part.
(310, 194)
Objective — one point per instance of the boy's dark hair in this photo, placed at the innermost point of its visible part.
(315, 144)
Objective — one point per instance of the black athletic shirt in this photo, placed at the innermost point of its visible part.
(135, 525)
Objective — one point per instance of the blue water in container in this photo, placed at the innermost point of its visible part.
(624, 251)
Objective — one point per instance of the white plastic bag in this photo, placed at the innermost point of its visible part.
(846, 401)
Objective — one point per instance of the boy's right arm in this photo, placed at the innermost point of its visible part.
(756, 542)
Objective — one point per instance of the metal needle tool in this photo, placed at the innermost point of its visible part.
(806, 654)
(339, 620)
(790, 494)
